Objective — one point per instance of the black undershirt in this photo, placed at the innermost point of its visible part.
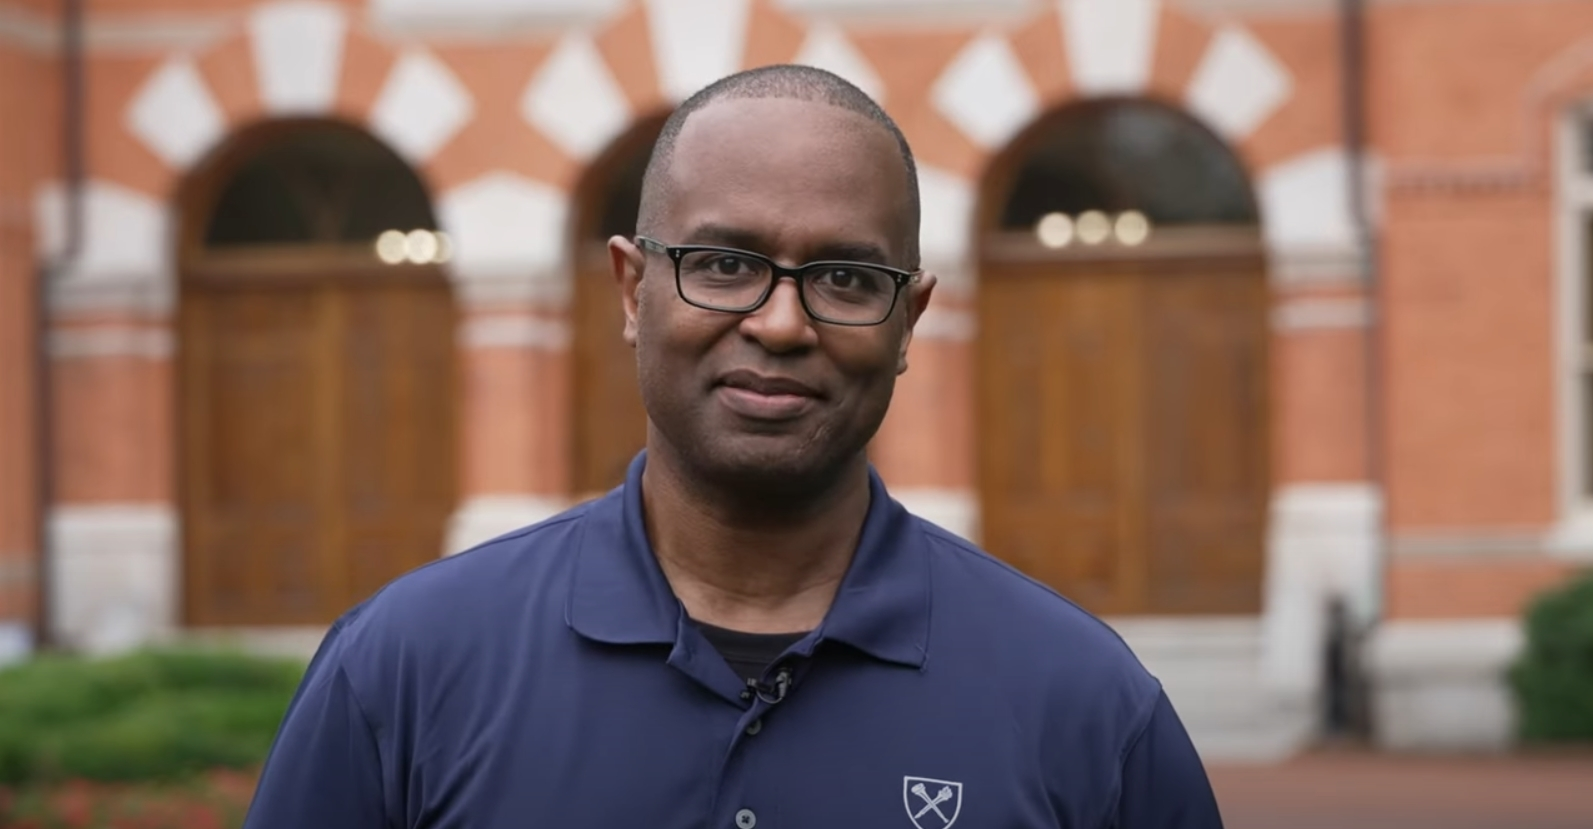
(749, 654)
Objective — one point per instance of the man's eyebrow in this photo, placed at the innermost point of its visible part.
(744, 239)
(726, 236)
(852, 252)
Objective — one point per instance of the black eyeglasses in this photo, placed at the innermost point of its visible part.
(739, 282)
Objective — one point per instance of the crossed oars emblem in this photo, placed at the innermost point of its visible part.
(932, 804)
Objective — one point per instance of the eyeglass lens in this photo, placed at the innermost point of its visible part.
(727, 281)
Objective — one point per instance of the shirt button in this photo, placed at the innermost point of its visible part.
(752, 730)
(745, 819)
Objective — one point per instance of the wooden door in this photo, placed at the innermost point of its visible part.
(318, 435)
(1123, 430)
(609, 423)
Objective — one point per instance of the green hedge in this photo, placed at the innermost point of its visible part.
(1553, 678)
(154, 715)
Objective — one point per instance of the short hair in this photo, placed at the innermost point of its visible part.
(786, 81)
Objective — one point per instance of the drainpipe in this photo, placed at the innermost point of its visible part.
(1353, 63)
(48, 272)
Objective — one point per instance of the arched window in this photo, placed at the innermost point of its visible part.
(320, 184)
(1113, 159)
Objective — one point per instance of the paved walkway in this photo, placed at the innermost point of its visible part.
(1361, 790)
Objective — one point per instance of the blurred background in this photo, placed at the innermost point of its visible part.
(1263, 331)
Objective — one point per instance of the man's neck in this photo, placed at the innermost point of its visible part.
(763, 571)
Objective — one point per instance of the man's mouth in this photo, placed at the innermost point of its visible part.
(764, 396)
(767, 384)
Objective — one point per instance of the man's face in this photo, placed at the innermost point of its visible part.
(771, 398)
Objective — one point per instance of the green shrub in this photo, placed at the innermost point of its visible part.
(155, 715)
(1553, 678)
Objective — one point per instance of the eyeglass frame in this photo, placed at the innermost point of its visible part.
(676, 253)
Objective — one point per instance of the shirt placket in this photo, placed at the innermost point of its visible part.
(736, 802)
(733, 809)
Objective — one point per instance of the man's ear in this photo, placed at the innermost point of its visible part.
(917, 301)
(628, 262)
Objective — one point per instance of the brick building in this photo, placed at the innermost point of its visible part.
(1250, 310)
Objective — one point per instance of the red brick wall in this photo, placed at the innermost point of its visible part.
(1468, 271)
(1462, 588)
(22, 152)
(1469, 350)
(1319, 410)
(1452, 81)
(1465, 96)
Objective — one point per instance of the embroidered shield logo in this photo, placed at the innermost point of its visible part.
(931, 804)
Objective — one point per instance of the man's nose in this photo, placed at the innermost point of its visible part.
(781, 324)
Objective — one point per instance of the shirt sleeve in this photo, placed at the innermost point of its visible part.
(1164, 783)
(324, 769)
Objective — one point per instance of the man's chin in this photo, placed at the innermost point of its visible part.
(764, 462)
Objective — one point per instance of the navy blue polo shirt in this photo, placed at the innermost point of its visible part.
(550, 678)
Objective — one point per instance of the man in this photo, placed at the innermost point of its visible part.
(749, 632)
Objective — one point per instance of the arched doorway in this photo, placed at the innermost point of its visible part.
(317, 398)
(608, 422)
(1122, 357)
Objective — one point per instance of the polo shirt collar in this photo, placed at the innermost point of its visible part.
(619, 595)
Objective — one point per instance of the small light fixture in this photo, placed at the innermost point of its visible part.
(1054, 230)
(392, 247)
(422, 246)
(1093, 227)
(1133, 228)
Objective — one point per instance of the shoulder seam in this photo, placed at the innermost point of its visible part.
(354, 697)
(372, 730)
(1144, 717)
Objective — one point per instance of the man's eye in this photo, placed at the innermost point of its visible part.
(729, 265)
(851, 280)
(719, 265)
(840, 278)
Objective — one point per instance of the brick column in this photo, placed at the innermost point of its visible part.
(115, 560)
(512, 286)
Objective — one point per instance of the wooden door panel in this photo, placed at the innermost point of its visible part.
(261, 422)
(1207, 438)
(1010, 325)
(283, 585)
(1081, 558)
(1123, 430)
(609, 422)
(1205, 560)
(397, 432)
(1057, 465)
(252, 511)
